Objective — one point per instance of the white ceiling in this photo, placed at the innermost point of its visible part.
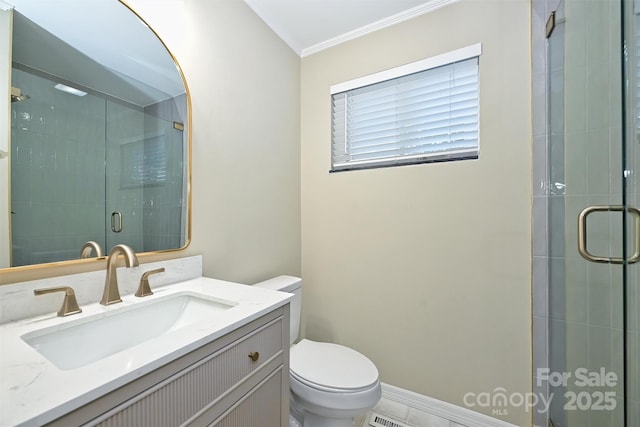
(309, 26)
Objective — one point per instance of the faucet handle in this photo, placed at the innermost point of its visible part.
(69, 305)
(144, 289)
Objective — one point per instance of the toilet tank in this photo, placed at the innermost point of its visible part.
(292, 285)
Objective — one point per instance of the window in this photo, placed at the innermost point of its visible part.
(143, 163)
(421, 112)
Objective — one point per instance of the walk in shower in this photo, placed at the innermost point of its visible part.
(586, 222)
(91, 168)
(99, 142)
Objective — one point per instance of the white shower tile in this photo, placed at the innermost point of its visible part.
(540, 217)
(556, 240)
(575, 41)
(633, 349)
(598, 95)
(600, 418)
(615, 159)
(575, 100)
(539, 105)
(633, 415)
(615, 94)
(540, 286)
(555, 55)
(597, 36)
(556, 101)
(576, 291)
(576, 162)
(556, 150)
(598, 151)
(573, 206)
(541, 389)
(617, 366)
(557, 297)
(633, 298)
(599, 308)
(540, 165)
(600, 345)
(540, 339)
(577, 346)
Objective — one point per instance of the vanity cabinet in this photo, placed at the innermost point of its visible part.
(239, 380)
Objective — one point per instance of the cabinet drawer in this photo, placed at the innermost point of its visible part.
(259, 407)
(187, 393)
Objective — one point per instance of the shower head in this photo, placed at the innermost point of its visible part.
(17, 95)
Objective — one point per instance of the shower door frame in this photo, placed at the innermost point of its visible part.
(545, 205)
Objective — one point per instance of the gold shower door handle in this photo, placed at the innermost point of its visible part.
(582, 234)
(116, 222)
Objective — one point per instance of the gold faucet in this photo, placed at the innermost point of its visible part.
(111, 295)
(69, 305)
(144, 289)
(85, 251)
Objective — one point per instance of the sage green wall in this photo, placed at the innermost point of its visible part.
(427, 269)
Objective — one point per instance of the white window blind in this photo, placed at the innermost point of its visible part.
(403, 116)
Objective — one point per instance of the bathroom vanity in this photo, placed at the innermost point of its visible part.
(219, 384)
(197, 352)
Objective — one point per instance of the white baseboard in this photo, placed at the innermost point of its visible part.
(454, 413)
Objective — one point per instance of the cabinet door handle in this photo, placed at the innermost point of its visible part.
(254, 356)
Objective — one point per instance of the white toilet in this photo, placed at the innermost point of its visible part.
(330, 384)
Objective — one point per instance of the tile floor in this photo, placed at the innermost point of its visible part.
(410, 416)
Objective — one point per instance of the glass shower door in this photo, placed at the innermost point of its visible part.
(631, 181)
(145, 177)
(593, 297)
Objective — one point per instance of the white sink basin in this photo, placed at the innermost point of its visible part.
(79, 343)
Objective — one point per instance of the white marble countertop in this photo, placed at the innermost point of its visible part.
(33, 391)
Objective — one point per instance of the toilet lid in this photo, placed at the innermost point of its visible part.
(331, 366)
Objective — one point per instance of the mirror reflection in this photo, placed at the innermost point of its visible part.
(99, 143)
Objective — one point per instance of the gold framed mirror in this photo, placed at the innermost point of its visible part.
(100, 143)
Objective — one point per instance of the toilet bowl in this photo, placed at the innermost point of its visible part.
(330, 384)
(331, 381)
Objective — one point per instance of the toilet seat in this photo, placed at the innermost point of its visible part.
(331, 367)
(333, 403)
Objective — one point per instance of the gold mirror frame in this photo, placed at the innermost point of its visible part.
(95, 261)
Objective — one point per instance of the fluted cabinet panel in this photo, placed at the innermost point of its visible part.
(260, 407)
(182, 396)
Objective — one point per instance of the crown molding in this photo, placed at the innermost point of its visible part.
(280, 32)
(6, 6)
(375, 26)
